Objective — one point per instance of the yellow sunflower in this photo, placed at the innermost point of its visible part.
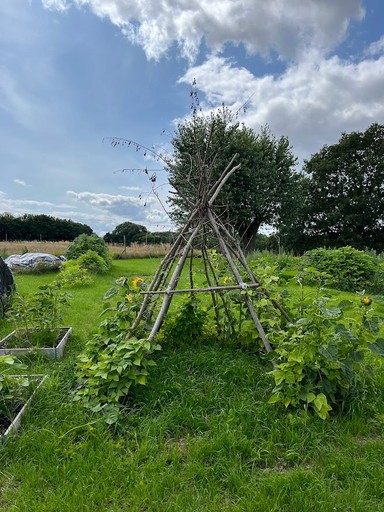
(136, 283)
(367, 301)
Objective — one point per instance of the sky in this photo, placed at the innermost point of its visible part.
(74, 73)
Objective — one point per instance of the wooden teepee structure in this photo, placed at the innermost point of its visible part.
(203, 224)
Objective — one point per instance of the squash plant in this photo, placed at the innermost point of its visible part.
(319, 355)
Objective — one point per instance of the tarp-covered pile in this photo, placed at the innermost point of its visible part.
(32, 261)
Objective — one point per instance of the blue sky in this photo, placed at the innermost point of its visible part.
(73, 72)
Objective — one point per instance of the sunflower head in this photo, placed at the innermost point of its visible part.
(367, 301)
(136, 283)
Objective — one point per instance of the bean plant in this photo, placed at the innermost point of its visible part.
(113, 359)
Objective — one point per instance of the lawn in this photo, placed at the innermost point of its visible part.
(199, 437)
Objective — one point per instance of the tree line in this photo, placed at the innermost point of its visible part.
(31, 227)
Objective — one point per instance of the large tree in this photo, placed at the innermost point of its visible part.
(256, 194)
(345, 198)
(128, 232)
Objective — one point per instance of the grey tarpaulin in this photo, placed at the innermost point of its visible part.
(32, 260)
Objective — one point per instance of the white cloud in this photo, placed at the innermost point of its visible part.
(59, 5)
(22, 183)
(260, 25)
(141, 210)
(312, 102)
(131, 189)
(376, 48)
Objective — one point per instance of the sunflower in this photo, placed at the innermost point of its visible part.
(136, 282)
(367, 301)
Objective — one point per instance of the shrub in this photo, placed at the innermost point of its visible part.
(72, 274)
(93, 263)
(84, 243)
(348, 268)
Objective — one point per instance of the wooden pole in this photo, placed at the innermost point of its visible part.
(238, 277)
(171, 286)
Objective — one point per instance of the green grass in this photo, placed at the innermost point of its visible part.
(199, 437)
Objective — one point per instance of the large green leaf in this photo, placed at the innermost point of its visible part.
(377, 346)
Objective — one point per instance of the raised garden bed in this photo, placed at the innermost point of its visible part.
(8, 345)
(11, 423)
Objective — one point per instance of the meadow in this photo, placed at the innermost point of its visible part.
(58, 248)
(201, 436)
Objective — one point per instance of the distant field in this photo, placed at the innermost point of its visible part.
(59, 248)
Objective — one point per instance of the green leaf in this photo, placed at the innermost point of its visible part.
(142, 379)
(377, 346)
(345, 304)
(371, 324)
(330, 351)
(320, 401)
(110, 293)
(279, 376)
(287, 401)
(310, 397)
(274, 398)
(331, 312)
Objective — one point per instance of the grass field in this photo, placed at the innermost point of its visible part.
(199, 438)
(59, 248)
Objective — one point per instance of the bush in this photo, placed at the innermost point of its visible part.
(72, 274)
(84, 243)
(349, 269)
(92, 262)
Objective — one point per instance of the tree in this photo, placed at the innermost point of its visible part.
(345, 201)
(127, 231)
(256, 194)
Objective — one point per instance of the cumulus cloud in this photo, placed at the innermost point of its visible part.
(135, 209)
(312, 102)
(261, 26)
